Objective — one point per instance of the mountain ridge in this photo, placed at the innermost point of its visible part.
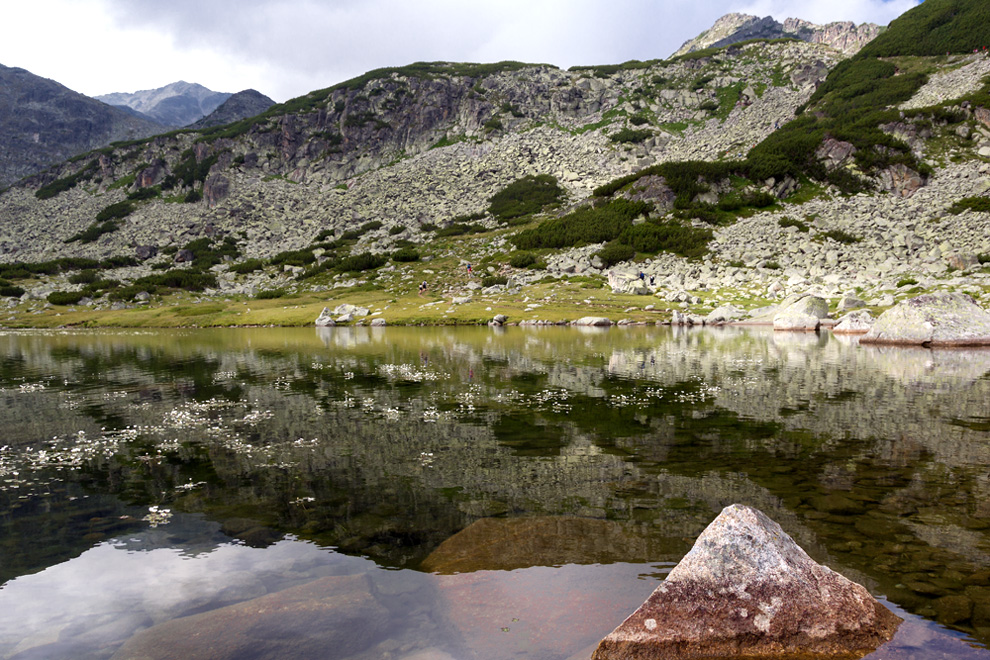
(844, 36)
(175, 105)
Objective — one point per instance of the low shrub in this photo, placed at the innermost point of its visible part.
(522, 259)
(405, 255)
(93, 232)
(65, 297)
(11, 291)
(494, 280)
(361, 262)
(247, 266)
(525, 196)
(270, 294)
(302, 257)
(616, 252)
(591, 224)
(459, 229)
(87, 276)
(142, 194)
(840, 236)
(631, 135)
(977, 204)
(791, 222)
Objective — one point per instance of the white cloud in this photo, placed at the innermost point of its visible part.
(285, 48)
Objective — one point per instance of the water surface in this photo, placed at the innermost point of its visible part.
(468, 493)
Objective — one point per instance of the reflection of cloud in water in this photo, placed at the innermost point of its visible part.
(110, 591)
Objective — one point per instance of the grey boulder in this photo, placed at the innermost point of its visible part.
(934, 319)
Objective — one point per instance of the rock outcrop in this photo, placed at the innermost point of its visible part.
(937, 319)
(746, 589)
(804, 314)
(734, 28)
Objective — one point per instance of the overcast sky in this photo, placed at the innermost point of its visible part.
(286, 48)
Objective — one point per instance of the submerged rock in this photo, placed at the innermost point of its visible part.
(935, 319)
(337, 613)
(747, 590)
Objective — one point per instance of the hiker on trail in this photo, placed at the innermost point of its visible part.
(422, 287)
(469, 270)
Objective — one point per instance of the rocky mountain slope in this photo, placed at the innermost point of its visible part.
(844, 36)
(175, 105)
(747, 175)
(237, 107)
(43, 122)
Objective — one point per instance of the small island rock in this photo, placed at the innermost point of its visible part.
(803, 314)
(935, 319)
(747, 590)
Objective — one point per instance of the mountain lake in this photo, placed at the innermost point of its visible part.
(466, 493)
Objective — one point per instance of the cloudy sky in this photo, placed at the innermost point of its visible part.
(285, 48)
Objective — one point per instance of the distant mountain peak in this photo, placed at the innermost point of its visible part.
(732, 28)
(177, 104)
(241, 105)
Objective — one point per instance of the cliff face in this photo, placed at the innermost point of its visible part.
(844, 36)
(239, 106)
(43, 122)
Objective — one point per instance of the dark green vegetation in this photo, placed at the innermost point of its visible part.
(526, 196)
(980, 204)
(612, 221)
(935, 27)
(65, 183)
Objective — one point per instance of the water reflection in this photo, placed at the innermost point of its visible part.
(475, 450)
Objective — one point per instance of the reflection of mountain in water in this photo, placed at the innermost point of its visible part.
(384, 443)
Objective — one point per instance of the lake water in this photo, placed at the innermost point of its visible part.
(470, 493)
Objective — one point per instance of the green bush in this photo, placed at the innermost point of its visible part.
(459, 229)
(631, 135)
(87, 276)
(302, 257)
(905, 281)
(405, 255)
(586, 225)
(522, 259)
(192, 196)
(840, 236)
(65, 297)
(525, 196)
(791, 222)
(115, 211)
(615, 252)
(61, 185)
(977, 204)
(270, 294)
(361, 262)
(188, 279)
(494, 280)
(93, 232)
(247, 266)
(11, 291)
(652, 237)
(396, 230)
(145, 193)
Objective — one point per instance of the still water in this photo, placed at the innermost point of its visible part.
(461, 494)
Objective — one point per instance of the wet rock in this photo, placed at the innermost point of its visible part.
(854, 323)
(593, 320)
(747, 590)
(724, 314)
(336, 613)
(936, 319)
(507, 544)
(325, 319)
(379, 323)
(499, 320)
(804, 314)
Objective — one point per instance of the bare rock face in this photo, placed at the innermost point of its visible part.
(935, 319)
(747, 590)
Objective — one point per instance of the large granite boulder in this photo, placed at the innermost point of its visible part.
(599, 321)
(628, 283)
(934, 319)
(854, 323)
(747, 590)
(804, 314)
(325, 319)
(338, 613)
(724, 314)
